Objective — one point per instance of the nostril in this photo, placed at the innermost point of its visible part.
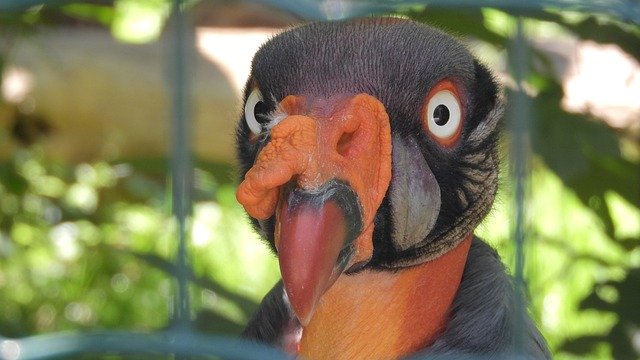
(344, 144)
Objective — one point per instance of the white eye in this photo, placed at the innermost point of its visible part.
(252, 107)
(443, 115)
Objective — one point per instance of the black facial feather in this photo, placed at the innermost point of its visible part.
(467, 175)
(398, 62)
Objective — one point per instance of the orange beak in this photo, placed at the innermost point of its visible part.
(323, 174)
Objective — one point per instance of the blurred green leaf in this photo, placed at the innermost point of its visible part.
(601, 29)
(467, 22)
(139, 21)
(100, 13)
(585, 153)
(621, 336)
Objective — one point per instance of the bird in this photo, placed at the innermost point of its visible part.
(368, 152)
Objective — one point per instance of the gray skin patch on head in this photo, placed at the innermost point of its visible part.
(415, 194)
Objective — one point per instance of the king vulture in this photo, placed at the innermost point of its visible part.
(368, 153)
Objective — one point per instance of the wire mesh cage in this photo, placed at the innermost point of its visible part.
(598, 166)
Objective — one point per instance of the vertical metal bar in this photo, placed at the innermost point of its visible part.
(519, 116)
(180, 159)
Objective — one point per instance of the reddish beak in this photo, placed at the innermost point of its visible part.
(314, 237)
(323, 174)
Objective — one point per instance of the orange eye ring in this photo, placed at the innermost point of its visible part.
(442, 113)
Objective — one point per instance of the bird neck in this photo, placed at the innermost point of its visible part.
(385, 314)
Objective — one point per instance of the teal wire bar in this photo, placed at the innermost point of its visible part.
(518, 119)
(178, 342)
(181, 164)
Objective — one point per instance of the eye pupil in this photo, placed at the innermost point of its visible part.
(261, 109)
(441, 114)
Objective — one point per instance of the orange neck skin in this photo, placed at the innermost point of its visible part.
(385, 314)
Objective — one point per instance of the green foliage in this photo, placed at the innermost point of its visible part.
(139, 21)
(132, 21)
(91, 246)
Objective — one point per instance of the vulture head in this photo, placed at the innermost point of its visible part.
(368, 151)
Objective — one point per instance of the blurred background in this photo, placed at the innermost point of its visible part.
(87, 239)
